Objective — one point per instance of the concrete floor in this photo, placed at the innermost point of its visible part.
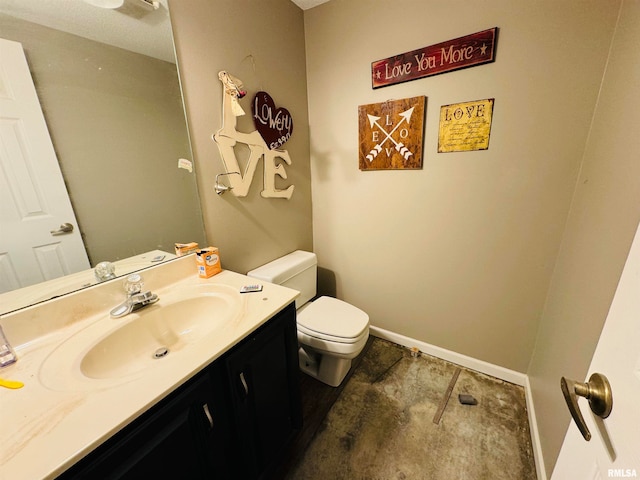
(382, 424)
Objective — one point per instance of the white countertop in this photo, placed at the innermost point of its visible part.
(46, 430)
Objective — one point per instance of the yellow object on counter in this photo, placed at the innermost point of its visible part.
(10, 383)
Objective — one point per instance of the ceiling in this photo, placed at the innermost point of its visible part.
(307, 4)
(149, 34)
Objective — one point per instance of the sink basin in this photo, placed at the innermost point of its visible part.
(156, 333)
(120, 350)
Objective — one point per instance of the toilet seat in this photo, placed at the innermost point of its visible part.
(330, 319)
(329, 338)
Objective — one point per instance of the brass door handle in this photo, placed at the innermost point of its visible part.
(597, 390)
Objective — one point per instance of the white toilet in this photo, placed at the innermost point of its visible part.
(330, 332)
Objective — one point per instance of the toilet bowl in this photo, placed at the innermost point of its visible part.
(331, 332)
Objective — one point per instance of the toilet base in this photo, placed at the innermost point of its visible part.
(327, 369)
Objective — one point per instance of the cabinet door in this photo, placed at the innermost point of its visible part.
(169, 441)
(263, 374)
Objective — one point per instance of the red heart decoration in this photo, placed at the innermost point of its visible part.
(275, 125)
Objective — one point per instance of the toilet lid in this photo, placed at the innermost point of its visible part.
(332, 317)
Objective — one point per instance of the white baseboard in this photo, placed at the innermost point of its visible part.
(481, 366)
(535, 435)
(502, 373)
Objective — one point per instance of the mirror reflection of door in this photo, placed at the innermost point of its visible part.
(33, 198)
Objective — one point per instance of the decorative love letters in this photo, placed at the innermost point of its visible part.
(275, 125)
(262, 144)
(391, 134)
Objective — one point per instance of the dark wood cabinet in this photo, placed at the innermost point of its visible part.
(235, 419)
(170, 439)
(265, 397)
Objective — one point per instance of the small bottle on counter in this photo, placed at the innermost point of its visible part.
(7, 355)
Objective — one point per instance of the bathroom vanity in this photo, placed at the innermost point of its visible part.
(224, 401)
(232, 420)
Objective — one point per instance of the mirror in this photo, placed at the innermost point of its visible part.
(114, 110)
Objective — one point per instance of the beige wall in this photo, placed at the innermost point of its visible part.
(477, 251)
(117, 125)
(600, 228)
(262, 43)
(485, 253)
(459, 254)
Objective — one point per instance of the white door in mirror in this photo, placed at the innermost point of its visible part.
(36, 217)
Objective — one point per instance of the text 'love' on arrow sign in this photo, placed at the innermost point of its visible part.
(275, 125)
(391, 133)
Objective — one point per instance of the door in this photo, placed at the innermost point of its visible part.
(33, 197)
(614, 448)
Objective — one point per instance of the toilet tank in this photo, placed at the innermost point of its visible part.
(297, 270)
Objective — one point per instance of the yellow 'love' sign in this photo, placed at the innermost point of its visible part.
(465, 126)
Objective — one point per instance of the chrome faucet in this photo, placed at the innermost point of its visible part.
(136, 298)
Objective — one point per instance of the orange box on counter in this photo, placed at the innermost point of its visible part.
(208, 260)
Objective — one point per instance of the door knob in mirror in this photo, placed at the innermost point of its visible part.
(64, 228)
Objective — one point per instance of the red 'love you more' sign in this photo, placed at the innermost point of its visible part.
(468, 51)
(274, 125)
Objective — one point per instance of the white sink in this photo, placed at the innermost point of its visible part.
(112, 351)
